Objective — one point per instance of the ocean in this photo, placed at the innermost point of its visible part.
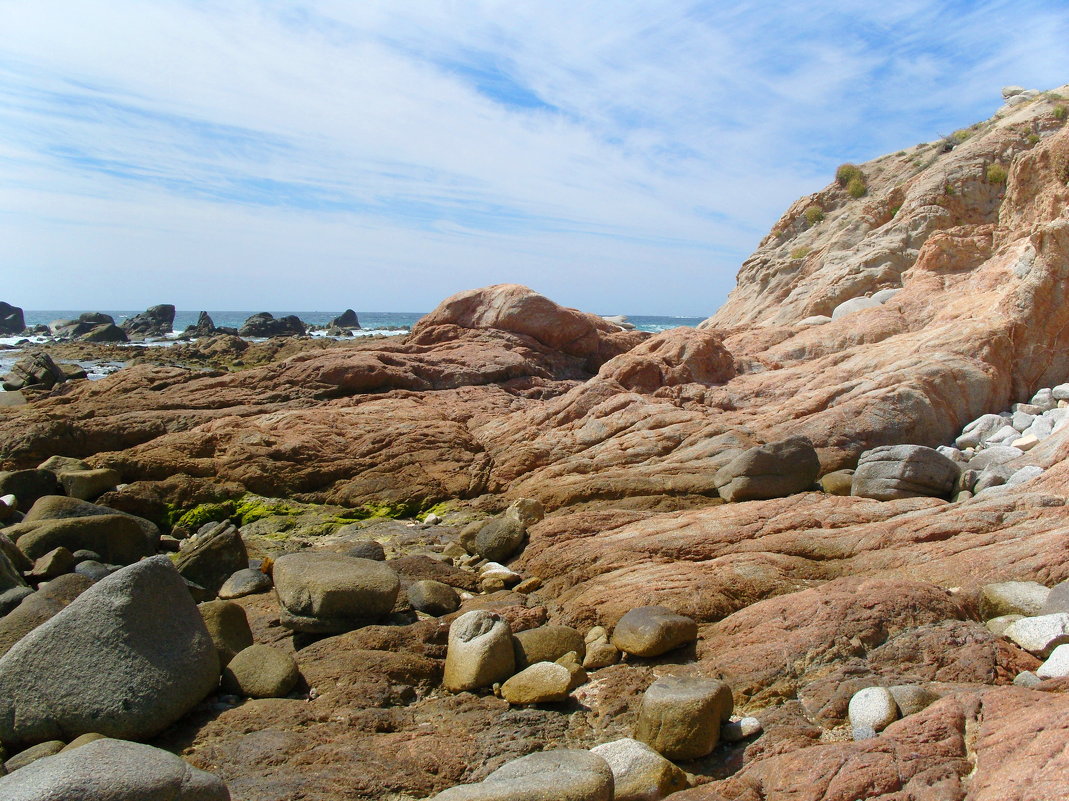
(386, 323)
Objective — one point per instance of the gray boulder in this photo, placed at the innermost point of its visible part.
(88, 484)
(228, 626)
(500, 538)
(127, 658)
(1025, 598)
(261, 671)
(904, 471)
(49, 600)
(773, 470)
(640, 773)
(119, 539)
(433, 597)
(331, 593)
(560, 775)
(874, 708)
(854, 305)
(60, 507)
(12, 320)
(547, 644)
(653, 630)
(29, 485)
(112, 770)
(213, 556)
(680, 717)
(247, 581)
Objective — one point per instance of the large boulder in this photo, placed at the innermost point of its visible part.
(264, 324)
(541, 683)
(127, 658)
(155, 321)
(500, 538)
(653, 630)
(112, 770)
(11, 319)
(213, 556)
(29, 485)
(561, 775)
(37, 371)
(904, 471)
(330, 593)
(479, 651)
(547, 644)
(261, 671)
(346, 319)
(769, 471)
(680, 717)
(60, 507)
(120, 539)
(228, 626)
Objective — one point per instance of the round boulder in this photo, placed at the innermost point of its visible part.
(653, 630)
(874, 708)
(261, 671)
(547, 644)
(541, 683)
(774, 470)
(680, 717)
(560, 775)
(433, 597)
(479, 652)
(904, 471)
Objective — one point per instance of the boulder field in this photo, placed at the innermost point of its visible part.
(816, 548)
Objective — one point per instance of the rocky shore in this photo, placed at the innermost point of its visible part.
(816, 548)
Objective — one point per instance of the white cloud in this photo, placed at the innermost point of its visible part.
(368, 153)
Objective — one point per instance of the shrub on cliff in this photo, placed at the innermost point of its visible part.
(847, 173)
(1061, 112)
(856, 188)
(813, 215)
(996, 174)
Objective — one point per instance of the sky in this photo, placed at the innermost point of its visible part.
(617, 156)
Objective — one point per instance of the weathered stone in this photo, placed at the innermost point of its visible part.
(12, 320)
(998, 625)
(1040, 634)
(228, 626)
(115, 770)
(28, 485)
(213, 556)
(368, 550)
(155, 321)
(737, 730)
(912, 698)
(547, 644)
(329, 593)
(653, 630)
(264, 324)
(261, 671)
(32, 754)
(1057, 664)
(680, 717)
(854, 305)
(640, 773)
(62, 464)
(1057, 599)
(35, 609)
(874, 708)
(769, 471)
(83, 739)
(560, 775)
(433, 597)
(838, 482)
(59, 507)
(500, 538)
(1025, 598)
(118, 538)
(479, 653)
(54, 563)
(247, 581)
(540, 683)
(135, 657)
(88, 484)
(904, 471)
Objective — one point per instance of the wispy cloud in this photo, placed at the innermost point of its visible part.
(617, 156)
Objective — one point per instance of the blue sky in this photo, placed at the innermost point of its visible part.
(620, 157)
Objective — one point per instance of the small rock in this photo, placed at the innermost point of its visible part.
(998, 625)
(432, 520)
(680, 717)
(93, 570)
(493, 570)
(854, 305)
(1057, 664)
(213, 556)
(1026, 678)
(996, 454)
(433, 597)
(640, 773)
(247, 581)
(1057, 600)
(837, 482)
(480, 651)
(862, 733)
(912, 698)
(653, 630)
(500, 538)
(873, 707)
(1044, 399)
(87, 485)
(28, 485)
(1025, 443)
(368, 550)
(528, 585)
(54, 563)
(83, 739)
(540, 683)
(774, 470)
(735, 730)
(261, 671)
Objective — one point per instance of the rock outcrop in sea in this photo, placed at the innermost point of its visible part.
(815, 548)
